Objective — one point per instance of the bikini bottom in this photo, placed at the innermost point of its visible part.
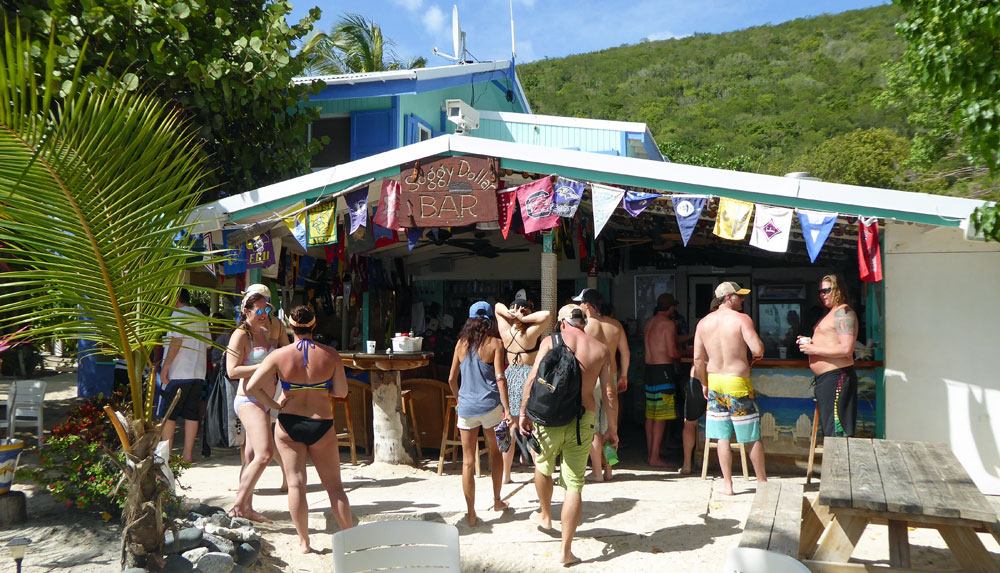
(304, 430)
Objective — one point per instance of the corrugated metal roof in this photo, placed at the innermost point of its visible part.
(415, 74)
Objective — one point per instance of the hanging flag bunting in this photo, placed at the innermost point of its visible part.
(298, 224)
(260, 252)
(567, 196)
(206, 240)
(771, 228)
(388, 206)
(687, 209)
(733, 219)
(271, 271)
(605, 200)
(413, 235)
(236, 262)
(322, 225)
(869, 251)
(635, 202)
(357, 206)
(380, 231)
(816, 227)
(535, 200)
(505, 209)
(362, 240)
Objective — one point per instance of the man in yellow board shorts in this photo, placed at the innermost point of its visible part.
(721, 342)
(595, 362)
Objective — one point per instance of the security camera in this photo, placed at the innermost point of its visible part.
(463, 115)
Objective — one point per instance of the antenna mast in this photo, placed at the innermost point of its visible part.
(513, 53)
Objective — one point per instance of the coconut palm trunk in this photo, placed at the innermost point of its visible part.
(96, 187)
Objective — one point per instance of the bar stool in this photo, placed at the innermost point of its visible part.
(345, 438)
(709, 446)
(451, 440)
(410, 410)
(813, 448)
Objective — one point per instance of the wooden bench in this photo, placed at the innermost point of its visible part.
(775, 520)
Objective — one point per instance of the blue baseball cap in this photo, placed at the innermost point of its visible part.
(481, 309)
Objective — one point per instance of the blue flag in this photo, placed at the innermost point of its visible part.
(413, 235)
(380, 231)
(816, 227)
(236, 258)
(635, 202)
(566, 197)
(357, 206)
(688, 210)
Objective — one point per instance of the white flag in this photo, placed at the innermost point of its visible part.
(771, 228)
(605, 199)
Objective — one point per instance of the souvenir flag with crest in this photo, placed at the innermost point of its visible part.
(236, 261)
(635, 202)
(387, 215)
(413, 235)
(322, 224)
(535, 200)
(733, 219)
(771, 228)
(816, 227)
(687, 209)
(298, 224)
(566, 199)
(869, 251)
(357, 206)
(605, 199)
(260, 251)
(505, 209)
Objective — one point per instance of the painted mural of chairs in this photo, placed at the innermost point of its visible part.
(768, 426)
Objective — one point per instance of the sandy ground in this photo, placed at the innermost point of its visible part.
(643, 520)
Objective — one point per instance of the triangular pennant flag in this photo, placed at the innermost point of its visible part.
(816, 227)
(605, 200)
(236, 261)
(771, 228)
(635, 202)
(567, 196)
(298, 225)
(733, 219)
(535, 200)
(271, 271)
(357, 206)
(869, 251)
(380, 231)
(206, 239)
(688, 210)
(388, 206)
(260, 252)
(505, 210)
(362, 240)
(322, 224)
(413, 235)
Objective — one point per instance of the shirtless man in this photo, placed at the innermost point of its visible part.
(660, 337)
(595, 364)
(611, 333)
(831, 358)
(720, 360)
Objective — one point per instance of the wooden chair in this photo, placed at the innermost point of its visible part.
(410, 411)
(355, 410)
(708, 448)
(813, 448)
(451, 440)
(345, 438)
(427, 397)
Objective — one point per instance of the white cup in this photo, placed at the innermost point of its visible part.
(370, 346)
(782, 353)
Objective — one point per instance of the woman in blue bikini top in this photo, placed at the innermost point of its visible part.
(310, 375)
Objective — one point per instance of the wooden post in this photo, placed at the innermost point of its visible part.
(392, 435)
(550, 276)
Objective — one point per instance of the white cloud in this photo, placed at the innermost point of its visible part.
(411, 5)
(434, 20)
(665, 36)
(525, 51)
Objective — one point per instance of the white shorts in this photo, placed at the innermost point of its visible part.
(487, 420)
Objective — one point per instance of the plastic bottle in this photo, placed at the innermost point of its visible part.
(610, 454)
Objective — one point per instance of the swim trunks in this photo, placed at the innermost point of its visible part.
(731, 407)
(556, 440)
(661, 390)
(837, 398)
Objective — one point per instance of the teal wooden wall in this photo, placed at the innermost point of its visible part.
(332, 106)
(428, 105)
(551, 136)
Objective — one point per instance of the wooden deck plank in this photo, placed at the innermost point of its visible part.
(866, 482)
(927, 481)
(787, 526)
(835, 481)
(900, 495)
(757, 532)
(963, 493)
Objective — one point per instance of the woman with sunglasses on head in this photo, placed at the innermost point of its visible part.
(310, 374)
(257, 335)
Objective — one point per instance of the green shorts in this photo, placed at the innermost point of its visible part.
(562, 440)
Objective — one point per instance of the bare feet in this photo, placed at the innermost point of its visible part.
(686, 470)
(658, 463)
(594, 477)
(726, 489)
(249, 514)
(569, 559)
(304, 546)
(542, 523)
(506, 479)
(470, 519)
(499, 505)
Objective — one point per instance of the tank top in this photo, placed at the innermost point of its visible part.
(478, 393)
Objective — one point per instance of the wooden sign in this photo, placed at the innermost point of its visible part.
(444, 209)
(450, 174)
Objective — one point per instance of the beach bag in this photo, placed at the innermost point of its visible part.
(222, 426)
(555, 398)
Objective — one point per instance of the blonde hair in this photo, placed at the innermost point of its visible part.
(838, 292)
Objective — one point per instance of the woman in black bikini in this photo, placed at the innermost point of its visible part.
(309, 374)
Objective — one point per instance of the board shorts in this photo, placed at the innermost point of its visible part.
(488, 420)
(837, 399)
(517, 376)
(695, 404)
(731, 407)
(661, 390)
(188, 405)
(561, 440)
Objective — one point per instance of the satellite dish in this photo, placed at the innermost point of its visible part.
(456, 34)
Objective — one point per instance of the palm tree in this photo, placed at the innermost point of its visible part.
(354, 45)
(95, 184)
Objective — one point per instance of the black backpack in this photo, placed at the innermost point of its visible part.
(555, 394)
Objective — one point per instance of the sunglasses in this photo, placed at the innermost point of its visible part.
(825, 290)
(261, 311)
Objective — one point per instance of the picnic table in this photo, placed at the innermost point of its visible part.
(906, 484)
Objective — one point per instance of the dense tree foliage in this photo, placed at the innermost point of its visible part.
(355, 44)
(226, 63)
(869, 157)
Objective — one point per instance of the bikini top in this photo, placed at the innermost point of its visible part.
(304, 345)
(257, 355)
(517, 355)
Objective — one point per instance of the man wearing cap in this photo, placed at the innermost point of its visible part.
(611, 333)
(721, 342)
(595, 365)
(660, 338)
(183, 372)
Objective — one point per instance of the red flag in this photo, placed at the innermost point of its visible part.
(535, 200)
(388, 206)
(869, 253)
(505, 209)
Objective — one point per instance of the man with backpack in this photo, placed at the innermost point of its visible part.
(558, 412)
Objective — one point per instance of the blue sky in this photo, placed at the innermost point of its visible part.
(557, 28)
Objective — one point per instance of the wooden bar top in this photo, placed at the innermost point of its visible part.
(385, 361)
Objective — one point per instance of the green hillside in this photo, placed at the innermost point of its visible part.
(769, 95)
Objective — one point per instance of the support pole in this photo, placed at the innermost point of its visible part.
(550, 277)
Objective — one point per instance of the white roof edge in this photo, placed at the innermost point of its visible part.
(560, 121)
(417, 73)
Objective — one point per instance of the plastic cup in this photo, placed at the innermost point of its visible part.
(782, 353)
(610, 454)
(370, 346)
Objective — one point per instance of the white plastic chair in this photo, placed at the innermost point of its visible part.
(27, 406)
(398, 545)
(4, 423)
(754, 560)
